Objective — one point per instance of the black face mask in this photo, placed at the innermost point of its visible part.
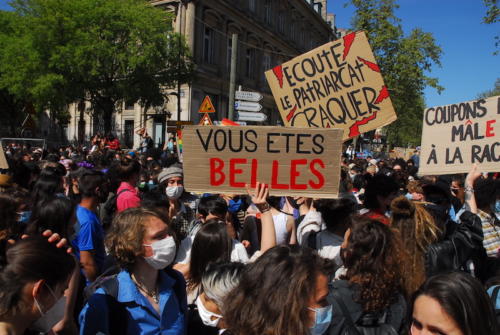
(293, 202)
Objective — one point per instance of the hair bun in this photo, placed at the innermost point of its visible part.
(401, 206)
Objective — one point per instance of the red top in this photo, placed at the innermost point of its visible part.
(114, 144)
(377, 215)
(127, 199)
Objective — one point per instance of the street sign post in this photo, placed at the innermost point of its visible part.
(249, 96)
(247, 106)
(251, 116)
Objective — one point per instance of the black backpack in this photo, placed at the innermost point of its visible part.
(368, 323)
(110, 209)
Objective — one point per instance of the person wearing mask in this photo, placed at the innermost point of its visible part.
(89, 240)
(127, 195)
(147, 296)
(32, 282)
(453, 303)
(217, 282)
(283, 292)
(379, 193)
(182, 204)
(371, 292)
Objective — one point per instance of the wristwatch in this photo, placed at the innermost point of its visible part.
(265, 207)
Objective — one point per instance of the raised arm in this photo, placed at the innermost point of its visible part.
(259, 196)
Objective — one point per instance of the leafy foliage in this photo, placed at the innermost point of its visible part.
(492, 16)
(404, 62)
(491, 93)
(103, 51)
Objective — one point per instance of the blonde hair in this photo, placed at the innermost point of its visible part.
(126, 235)
(417, 230)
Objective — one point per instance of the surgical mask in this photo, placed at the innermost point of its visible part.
(163, 253)
(48, 319)
(24, 216)
(206, 315)
(497, 206)
(322, 319)
(234, 206)
(174, 192)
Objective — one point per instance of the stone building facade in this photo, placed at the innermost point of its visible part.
(269, 33)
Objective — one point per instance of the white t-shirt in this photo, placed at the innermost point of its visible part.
(238, 251)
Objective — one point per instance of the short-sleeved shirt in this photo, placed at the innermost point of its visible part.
(128, 197)
(90, 235)
(142, 318)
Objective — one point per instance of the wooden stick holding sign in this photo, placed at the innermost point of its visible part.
(292, 161)
(454, 137)
(337, 85)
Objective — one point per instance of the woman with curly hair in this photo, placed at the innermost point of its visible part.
(418, 231)
(370, 292)
(283, 292)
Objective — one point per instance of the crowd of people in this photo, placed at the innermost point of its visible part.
(97, 240)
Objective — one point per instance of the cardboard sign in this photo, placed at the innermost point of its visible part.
(207, 106)
(337, 85)
(456, 136)
(3, 161)
(292, 161)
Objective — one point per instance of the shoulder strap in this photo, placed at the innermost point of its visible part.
(117, 312)
(124, 190)
(494, 296)
(311, 240)
(338, 299)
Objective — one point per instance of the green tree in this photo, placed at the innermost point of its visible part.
(491, 93)
(491, 16)
(404, 62)
(102, 51)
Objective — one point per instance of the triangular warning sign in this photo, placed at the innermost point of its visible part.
(206, 106)
(205, 120)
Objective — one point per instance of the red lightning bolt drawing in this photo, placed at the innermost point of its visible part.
(370, 65)
(278, 72)
(348, 40)
(384, 94)
(292, 112)
(354, 129)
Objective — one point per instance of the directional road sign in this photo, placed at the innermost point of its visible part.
(249, 116)
(247, 106)
(249, 96)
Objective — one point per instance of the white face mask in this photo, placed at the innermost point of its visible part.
(48, 319)
(174, 192)
(163, 253)
(206, 315)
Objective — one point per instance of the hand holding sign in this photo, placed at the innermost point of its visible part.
(260, 194)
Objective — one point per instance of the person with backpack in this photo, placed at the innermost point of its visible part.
(369, 297)
(146, 296)
(127, 196)
(89, 239)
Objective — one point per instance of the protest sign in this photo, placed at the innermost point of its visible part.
(456, 136)
(3, 161)
(292, 161)
(338, 85)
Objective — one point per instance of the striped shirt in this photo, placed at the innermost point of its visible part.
(491, 233)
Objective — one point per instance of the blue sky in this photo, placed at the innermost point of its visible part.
(468, 64)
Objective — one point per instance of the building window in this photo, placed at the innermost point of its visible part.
(250, 59)
(251, 5)
(129, 105)
(268, 11)
(208, 45)
(229, 51)
(281, 22)
(266, 64)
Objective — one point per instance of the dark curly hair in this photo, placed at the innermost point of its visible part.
(373, 258)
(273, 293)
